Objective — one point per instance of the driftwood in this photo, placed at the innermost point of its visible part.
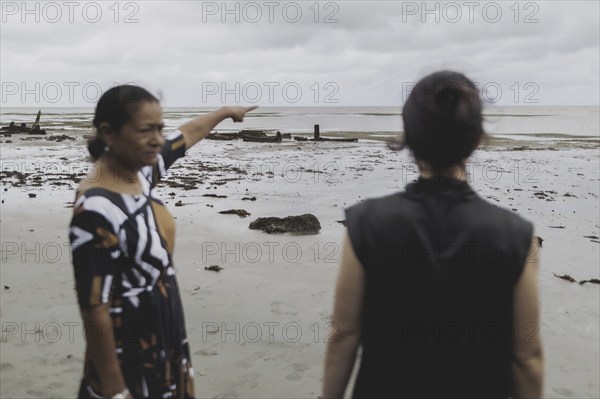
(336, 139)
(317, 137)
(264, 139)
(262, 136)
(248, 133)
(222, 136)
(258, 136)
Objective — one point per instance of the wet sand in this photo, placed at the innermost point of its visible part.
(258, 327)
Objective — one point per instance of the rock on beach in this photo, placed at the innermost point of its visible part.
(302, 224)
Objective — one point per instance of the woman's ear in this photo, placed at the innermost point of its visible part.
(106, 133)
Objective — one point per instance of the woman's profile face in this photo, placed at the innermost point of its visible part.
(140, 140)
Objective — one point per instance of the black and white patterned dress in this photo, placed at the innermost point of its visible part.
(122, 255)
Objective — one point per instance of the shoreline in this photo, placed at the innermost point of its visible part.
(258, 327)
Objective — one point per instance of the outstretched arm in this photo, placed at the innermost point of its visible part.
(198, 128)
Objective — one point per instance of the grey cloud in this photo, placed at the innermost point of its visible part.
(370, 52)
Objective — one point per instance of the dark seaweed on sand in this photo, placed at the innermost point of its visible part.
(566, 277)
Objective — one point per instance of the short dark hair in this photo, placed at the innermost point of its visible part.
(115, 107)
(442, 119)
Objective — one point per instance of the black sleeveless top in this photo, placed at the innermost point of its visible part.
(440, 265)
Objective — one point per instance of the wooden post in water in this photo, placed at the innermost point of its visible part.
(36, 124)
(317, 134)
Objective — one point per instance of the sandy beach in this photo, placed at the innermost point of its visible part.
(258, 328)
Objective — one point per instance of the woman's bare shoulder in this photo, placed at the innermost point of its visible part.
(88, 183)
(95, 179)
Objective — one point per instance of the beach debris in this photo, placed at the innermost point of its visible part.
(32, 195)
(22, 128)
(6, 287)
(213, 268)
(249, 199)
(264, 139)
(245, 133)
(302, 224)
(592, 237)
(342, 222)
(540, 240)
(179, 203)
(565, 277)
(13, 174)
(317, 137)
(572, 280)
(222, 136)
(520, 148)
(214, 195)
(195, 290)
(592, 280)
(262, 135)
(240, 212)
(60, 138)
(186, 182)
(557, 227)
(543, 195)
(251, 135)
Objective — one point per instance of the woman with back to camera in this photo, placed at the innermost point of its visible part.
(122, 239)
(437, 285)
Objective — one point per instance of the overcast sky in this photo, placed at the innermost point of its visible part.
(205, 53)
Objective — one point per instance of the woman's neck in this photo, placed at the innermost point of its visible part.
(122, 171)
(457, 171)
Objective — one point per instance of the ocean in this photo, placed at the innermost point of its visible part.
(376, 122)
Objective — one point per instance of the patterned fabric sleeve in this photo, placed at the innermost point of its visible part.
(173, 149)
(94, 247)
